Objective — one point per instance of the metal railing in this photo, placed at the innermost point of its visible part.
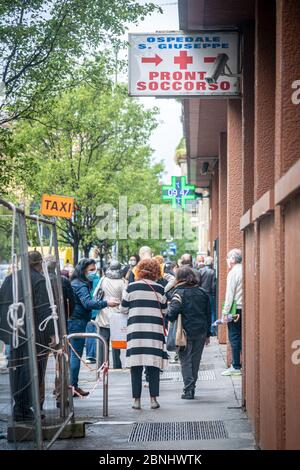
(105, 369)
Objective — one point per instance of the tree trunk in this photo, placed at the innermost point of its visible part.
(76, 252)
(86, 250)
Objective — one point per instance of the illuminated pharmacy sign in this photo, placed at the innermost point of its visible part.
(178, 192)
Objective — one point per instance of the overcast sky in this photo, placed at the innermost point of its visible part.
(166, 137)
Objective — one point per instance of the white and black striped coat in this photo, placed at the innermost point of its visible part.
(145, 331)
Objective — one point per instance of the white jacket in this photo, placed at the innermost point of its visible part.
(113, 288)
(234, 288)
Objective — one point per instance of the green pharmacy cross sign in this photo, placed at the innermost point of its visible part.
(179, 192)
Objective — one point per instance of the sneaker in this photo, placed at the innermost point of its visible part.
(90, 360)
(188, 395)
(24, 416)
(231, 371)
(236, 372)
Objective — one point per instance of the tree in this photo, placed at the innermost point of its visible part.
(93, 146)
(42, 42)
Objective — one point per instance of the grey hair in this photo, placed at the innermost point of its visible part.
(209, 261)
(145, 252)
(236, 254)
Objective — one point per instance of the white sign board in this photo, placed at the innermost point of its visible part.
(179, 64)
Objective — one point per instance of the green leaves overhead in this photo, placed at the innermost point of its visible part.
(42, 43)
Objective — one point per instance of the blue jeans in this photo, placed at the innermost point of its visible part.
(76, 326)
(212, 300)
(235, 338)
(90, 343)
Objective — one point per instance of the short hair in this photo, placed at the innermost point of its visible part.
(209, 261)
(34, 258)
(236, 255)
(51, 262)
(148, 269)
(188, 275)
(145, 250)
(186, 259)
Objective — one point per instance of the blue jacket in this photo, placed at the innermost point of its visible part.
(84, 304)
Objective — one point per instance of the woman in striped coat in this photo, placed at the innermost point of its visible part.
(145, 303)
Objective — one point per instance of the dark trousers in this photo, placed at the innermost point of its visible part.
(190, 359)
(235, 338)
(136, 380)
(212, 299)
(20, 378)
(105, 332)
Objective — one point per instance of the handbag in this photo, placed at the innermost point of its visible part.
(181, 340)
(118, 331)
(176, 335)
(176, 338)
(99, 292)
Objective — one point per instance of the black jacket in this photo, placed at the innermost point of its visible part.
(193, 303)
(208, 280)
(68, 295)
(41, 307)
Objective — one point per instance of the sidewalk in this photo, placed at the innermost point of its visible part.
(214, 420)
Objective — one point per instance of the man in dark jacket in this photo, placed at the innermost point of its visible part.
(192, 302)
(19, 366)
(208, 283)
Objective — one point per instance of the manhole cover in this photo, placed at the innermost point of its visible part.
(178, 431)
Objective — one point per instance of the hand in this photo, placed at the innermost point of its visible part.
(207, 341)
(52, 343)
(113, 303)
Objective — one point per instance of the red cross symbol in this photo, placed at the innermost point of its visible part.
(183, 59)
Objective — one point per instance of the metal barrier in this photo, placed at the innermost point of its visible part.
(105, 369)
(96, 325)
(34, 367)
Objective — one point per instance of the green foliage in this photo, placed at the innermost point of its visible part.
(42, 43)
(93, 146)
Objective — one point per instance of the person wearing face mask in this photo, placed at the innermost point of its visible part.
(82, 284)
(234, 293)
(133, 261)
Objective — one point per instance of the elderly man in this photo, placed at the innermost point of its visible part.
(145, 252)
(234, 301)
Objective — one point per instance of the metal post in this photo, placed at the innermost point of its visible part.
(97, 348)
(65, 382)
(105, 372)
(30, 328)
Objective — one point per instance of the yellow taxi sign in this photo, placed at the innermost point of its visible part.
(57, 206)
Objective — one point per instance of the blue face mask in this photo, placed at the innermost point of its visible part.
(92, 275)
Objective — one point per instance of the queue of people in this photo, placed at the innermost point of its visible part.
(152, 294)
